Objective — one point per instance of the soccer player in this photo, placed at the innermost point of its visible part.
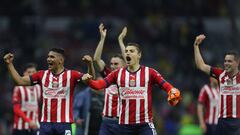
(229, 83)
(207, 108)
(135, 83)
(109, 125)
(57, 85)
(26, 105)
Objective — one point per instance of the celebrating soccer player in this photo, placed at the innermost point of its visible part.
(26, 106)
(229, 82)
(110, 124)
(57, 85)
(135, 83)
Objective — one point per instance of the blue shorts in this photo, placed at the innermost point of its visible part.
(24, 132)
(228, 126)
(138, 129)
(211, 129)
(109, 126)
(48, 128)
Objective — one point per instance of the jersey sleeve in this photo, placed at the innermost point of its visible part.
(157, 78)
(111, 78)
(202, 96)
(16, 98)
(36, 77)
(76, 76)
(215, 72)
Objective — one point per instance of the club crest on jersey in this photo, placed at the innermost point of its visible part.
(132, 83)
(55, 84)
(229, 82)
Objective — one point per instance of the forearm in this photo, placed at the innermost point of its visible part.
(122, 47)
(98, 84)
(200, 114)
(166, 86)
(17, 110)
(91, 70)
(199, 61)
(16, 77)
(99, 49)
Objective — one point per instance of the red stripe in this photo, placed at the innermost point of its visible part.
(45, 110)
(149, 103)
(142, 115)
(46, 83)
(122, 79)
(214, 115)
(63, 110)
(122, 120)
(72, 86)
(114, 106)
(26, 94)
(142, 77)
(221, 107)
(132, 111)
(229, 106)
(53, 110)
(107, 102)
(238, 106)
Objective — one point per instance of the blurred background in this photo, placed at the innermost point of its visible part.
(165, 29)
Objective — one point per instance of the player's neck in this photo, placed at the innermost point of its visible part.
(58, 70)
(133, 68)
(233, 73)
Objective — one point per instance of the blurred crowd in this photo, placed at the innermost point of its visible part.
(165, 29)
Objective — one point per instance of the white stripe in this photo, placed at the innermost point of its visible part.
(234, 100)
(20, 121)
(59, 102)
(216, 95)
(234, 110)
(110, 105)
(224, 106)
(26, 123)
(119, 85)
(48, 109)
(127, 100)
(43, 90)
(146, 100)
(67, 107)
(210, 96)
(105, 103)
(138, 80)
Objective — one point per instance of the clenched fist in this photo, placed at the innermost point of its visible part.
(8, 58)
(199, 39)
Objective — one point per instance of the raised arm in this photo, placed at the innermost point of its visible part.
(198, 57)
(96, 85)
(20, 80)
(98, 52)
(120, 41)
(89, 61)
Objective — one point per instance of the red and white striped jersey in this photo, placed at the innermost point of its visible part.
(135, 93)
(26, 100)
(57, 94)
(111, 100)
(229, 93)
(209, 98)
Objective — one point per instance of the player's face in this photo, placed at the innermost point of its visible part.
(230, 64)
(116, 63)
(29, 71)
(54, 60)
(132, 55)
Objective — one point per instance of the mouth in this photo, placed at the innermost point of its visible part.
(50, 65)
(128, 58)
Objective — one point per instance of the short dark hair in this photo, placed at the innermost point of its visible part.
(234, 53)
(58, 50)
(29, 65)
(118, 56)
(136, 45)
